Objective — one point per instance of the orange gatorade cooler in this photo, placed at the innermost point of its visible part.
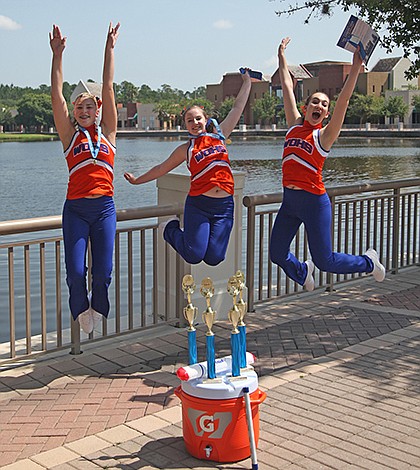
(214, 421)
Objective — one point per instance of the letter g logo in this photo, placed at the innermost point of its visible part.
(214, 424)
(206, 423)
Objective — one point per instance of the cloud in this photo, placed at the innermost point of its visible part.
(223, 24)
(271, 62)
(8, 23)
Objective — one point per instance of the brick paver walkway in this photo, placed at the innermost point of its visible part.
(340, 371)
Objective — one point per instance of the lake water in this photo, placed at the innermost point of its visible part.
(33, 183)
(34, 174)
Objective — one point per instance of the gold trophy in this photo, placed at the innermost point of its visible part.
(234, 316)
(240, 302)
(242, 327)
(190, 314)
(207, 291)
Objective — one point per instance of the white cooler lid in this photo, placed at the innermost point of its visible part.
(229, 387)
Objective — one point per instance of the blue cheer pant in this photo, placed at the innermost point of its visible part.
(314, 211)
(208, 223)
(85, 219)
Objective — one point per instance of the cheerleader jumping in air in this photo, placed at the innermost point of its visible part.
(209, 206)
(89, 211)
(307, 145)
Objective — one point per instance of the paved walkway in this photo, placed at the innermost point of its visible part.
(341, 372)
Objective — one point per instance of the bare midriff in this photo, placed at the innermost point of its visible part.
(216, 192)
(292, 186)
(93, 196)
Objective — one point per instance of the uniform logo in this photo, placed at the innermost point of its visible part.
(209, 151)
(213, 424)
(299, 143)
(84, 147)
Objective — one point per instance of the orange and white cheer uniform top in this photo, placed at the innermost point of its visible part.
(90, 174)
(208, 162)
(303, 158)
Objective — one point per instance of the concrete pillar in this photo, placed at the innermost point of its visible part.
(368, 126)
(173, 189)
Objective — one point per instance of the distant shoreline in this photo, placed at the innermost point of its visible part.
(387, 133)
(378, 133)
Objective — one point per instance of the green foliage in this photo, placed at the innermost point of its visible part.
(394, 106)
(225, 108)
(6, 118)
(416, 102)
(168, 112)
(19, 137)
(126, 92)
(396, 20)
(364, 108)
(147, 95)
(265, 109)
(34, 111)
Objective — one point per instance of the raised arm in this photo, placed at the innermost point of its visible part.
(109, 110)
(331, 131)
(62, 119)
(230, 121)
(289, 100)
(174, 160)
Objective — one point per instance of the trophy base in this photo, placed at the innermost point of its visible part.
(216, 380)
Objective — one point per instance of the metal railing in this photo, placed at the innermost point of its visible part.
(147, 273)
(33, 288)
(380, 215)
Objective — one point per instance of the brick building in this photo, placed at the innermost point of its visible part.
(229, 87)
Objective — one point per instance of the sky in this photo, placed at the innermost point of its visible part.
(183, 43)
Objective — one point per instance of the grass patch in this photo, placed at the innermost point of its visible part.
(18, 137)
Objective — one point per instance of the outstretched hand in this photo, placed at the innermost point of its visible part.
(246, 77)
(357, 59)
(130, 177)
(112, 35)
(57, 41)
(283, 45)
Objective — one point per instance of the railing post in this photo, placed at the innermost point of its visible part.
(330, 278)
(250, 256)
(173, 189)
(75, 337)
(395, 229)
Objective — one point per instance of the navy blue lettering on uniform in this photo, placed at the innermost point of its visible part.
(84, 147)
(209, 151)
(299, 143)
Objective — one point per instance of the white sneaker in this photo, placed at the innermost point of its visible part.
(309, 283)
(96, 317)
(378, 268)
(163, 224)
(85, 321)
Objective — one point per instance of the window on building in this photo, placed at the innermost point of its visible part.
(382, 88)
(373, 88)
(215, 97)
(143, 122)
(152, 122)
